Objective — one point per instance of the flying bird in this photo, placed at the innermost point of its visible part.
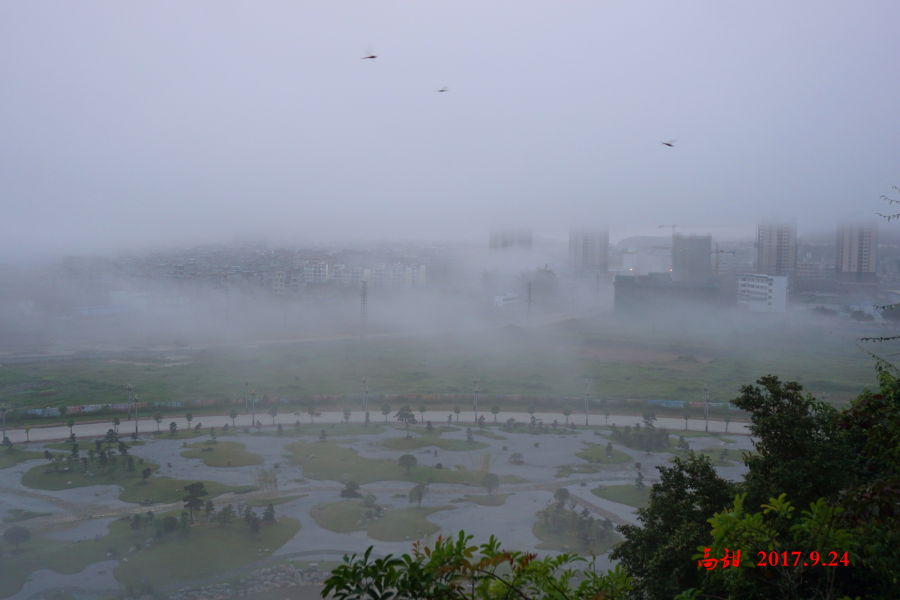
(443, 89)
(670, 144)
(369, 54)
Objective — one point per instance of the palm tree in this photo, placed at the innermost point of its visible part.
(566, 412)
(273, 412)
(311, 411)
(158, 417)
(27, 429)
(233, 414)
(687, 414)
(727, 419)
(116, 423)
(422, 411)
(385, 410)
(495, 410)
(457, 410)
(606, 413)
(189, 417)
(70, 424)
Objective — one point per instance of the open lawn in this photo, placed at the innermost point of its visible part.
(10, 458)
(596, 453)
(697, 434)
(483, 499)
(331, 429)
(731, 458)
(181, 434)
(393, 526)
(274, 501)
(431, 439)
(633, 359)
(340, 517)
(41, 553)
(207, 549)
(223, 454)
(489, 434)
(83, 445)
(624, 494)
(326, 460)
(14, 515)
(159, 489)
(567, 538)
(405, 524)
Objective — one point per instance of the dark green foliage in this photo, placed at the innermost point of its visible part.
(407, 461)
(659, 553)
(193, 501)
(269, 514)
(650, 439)
(798, 450)
(16, 535)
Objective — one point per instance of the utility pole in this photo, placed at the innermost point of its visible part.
(365, 384)
(528, 300)
(475, 396)
(128, 389)
(136, 400)
(706, 395)
(246, 394)
(364, 300)
(253, 408)
(586, 397)
(3, 410)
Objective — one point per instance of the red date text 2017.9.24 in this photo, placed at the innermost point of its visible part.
(797, 559)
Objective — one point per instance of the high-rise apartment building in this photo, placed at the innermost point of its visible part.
(510, 238)
(776, 248)
(856, 257)
(692, 258)
(589, 250)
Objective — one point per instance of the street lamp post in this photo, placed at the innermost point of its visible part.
(136, 400)
(706, 395)
(475, 397)
(253, 408)
(586, 395)
(365, 384)
(129, 387)
(3, 409)
(246, 394)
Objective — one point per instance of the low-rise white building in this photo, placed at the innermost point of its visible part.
(507, 299)
(762, 293)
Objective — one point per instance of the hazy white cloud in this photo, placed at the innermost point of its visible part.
(135, 124)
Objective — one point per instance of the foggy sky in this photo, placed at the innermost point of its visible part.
(132, 124)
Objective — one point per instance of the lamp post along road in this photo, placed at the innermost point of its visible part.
(586, 394)
(475, 397)
(136, 400)
(129, 387)
(365, 384)
(706, 394)
(3, 409)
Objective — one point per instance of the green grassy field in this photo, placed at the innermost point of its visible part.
(85, 445)
(340, 517)
(624, 494)
(223, 454)
(274, 501)
(483, 499)
(207, 549)
(14, 515)
(405, 524)
(330, 461)
(568, 540)
(393, 526)
(10, 458)
(638, 361)
(159, 489)
(596, 453)
(331, 430)
(431, 439)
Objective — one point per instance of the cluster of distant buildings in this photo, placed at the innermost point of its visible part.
(692, 268)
